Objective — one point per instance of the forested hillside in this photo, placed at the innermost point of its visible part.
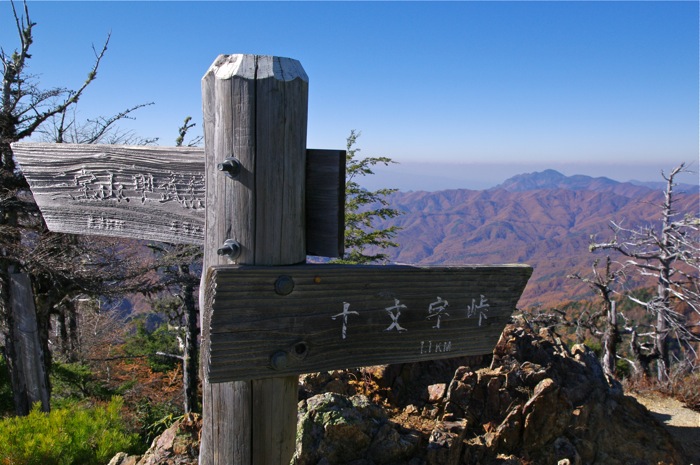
(545, 219)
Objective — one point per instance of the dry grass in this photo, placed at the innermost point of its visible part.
(685, 389)
(683, 386)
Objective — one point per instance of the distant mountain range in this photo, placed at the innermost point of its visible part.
(552, 179)
(544, 219)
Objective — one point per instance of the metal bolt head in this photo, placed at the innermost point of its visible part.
(284, 285)
(279, 360)
(230, 166)
(231, 248)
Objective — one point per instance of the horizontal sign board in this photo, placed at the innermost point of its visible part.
(140, 192)
(272, 321)
(158, 193)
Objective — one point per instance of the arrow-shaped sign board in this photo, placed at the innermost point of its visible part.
(273, 321)
(158, 193)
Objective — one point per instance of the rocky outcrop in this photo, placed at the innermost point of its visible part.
(178, 445)
(542, 403)
(334, 428)
(537, 403)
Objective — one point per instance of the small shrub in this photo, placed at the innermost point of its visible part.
(152, 418)
(684, 387)
(623, 368)
(595, 345)
(74, 382)
(640, 383)
(145, 342)
(68, 436)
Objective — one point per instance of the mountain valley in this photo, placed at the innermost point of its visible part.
(543, 219)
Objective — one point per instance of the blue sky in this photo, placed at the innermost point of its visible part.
(462, 94)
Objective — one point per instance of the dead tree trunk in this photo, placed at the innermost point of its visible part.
(29, 377)
(190, 367)
(610, 339)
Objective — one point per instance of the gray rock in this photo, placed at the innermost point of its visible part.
(336, 429)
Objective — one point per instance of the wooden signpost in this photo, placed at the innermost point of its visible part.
(265, 315)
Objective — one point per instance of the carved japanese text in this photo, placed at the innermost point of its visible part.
(187, 190)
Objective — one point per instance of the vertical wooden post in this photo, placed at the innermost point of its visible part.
(30, 356)
(255, 110)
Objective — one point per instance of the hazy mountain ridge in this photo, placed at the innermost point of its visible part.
(544, 219)
(552, 179)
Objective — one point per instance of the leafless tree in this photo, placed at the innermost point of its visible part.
(669, 252)
(603, 324)
(24, 107)
(60, 266)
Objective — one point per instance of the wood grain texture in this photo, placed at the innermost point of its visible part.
(226, 407)
(26, 341)
(349, 316)
(141, 192)
(325, 202)
(158, 193)
(255, 109)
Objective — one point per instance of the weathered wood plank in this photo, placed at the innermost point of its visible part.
(280, 165)
(347, 316)
(325, 190)
(140, 192)
(158, 193)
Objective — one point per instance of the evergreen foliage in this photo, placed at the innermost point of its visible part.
(364, 241)
(69, 436)
(148, 343)
(71, 382)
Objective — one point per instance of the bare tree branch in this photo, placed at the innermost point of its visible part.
(72, 99)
